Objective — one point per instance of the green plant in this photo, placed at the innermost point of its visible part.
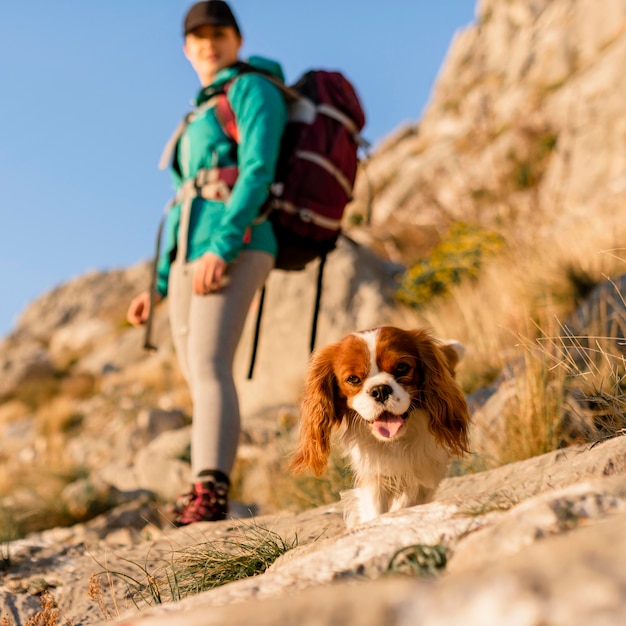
(9, 531)
(419, 560)
(356, 219)
(459, 256)
(527, 169)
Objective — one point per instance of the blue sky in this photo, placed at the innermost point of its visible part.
(92, 90)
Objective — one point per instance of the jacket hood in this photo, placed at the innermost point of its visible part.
(263, 64)
(267, 65)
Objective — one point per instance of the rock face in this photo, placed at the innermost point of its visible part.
(536, 542)
(526, 122)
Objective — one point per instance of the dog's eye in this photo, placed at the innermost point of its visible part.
(353, 380)
(402, 370)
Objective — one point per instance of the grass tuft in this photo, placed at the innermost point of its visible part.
(249, 551)
(206, 566)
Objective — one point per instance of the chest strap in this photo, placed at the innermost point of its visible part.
(213, 183)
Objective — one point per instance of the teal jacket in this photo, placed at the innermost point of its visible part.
(216, 226)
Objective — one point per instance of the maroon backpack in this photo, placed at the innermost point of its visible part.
(315, 171)
(316, 166)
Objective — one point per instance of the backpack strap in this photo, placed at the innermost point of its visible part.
(226, 116)
(316, 311)
(318, 300)
(170, 146)
(172, 142)
(224, 112)
(257, 333)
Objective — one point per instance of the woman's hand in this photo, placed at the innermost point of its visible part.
(139, 308)
(209, 273)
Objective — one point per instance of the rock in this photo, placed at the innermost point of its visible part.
(84, 497)
(517, 563)
(22, 361)
(599, 322)
(162, 467)
(505, 143)
(540, 538)
(69, 343)
(550, 514)
(154, 422)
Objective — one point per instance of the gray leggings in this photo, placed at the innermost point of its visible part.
(206, 330)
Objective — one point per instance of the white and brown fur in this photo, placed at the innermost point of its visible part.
(400, 413)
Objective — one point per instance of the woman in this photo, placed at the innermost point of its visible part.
(216, 257)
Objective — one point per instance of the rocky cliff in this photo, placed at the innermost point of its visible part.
(524, 131)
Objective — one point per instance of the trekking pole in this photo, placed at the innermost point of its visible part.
(147, 342)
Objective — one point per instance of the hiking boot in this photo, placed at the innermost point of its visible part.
(206, 502)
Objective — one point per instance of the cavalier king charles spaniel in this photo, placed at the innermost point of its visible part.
(400, 412)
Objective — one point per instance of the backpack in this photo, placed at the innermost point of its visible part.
(315, 172)
(316, 166)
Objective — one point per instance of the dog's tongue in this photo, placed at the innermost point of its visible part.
(387, 425)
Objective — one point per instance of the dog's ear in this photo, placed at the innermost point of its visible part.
(440, 395)
(318, 414)
(453, 351)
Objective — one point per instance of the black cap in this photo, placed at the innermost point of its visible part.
(212, 13)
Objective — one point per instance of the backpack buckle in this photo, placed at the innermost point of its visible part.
(306, 215)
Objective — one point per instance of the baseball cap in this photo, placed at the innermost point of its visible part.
(212, 13)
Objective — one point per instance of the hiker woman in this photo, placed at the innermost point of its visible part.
(216, 257)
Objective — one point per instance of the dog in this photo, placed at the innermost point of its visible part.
(401, 416)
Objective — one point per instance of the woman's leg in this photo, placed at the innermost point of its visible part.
(215, 324)
(179, 300)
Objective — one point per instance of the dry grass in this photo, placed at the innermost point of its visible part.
(156, 381)
(8, 533)
(12, 411)
(521, 294)
(79, 386)
(531, 424)
(49, 615)
(567, 389)
(299, 493)
(58, 416)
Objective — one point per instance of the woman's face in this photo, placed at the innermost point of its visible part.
(210, 49)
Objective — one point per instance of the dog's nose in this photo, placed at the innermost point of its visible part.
(381, 392)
